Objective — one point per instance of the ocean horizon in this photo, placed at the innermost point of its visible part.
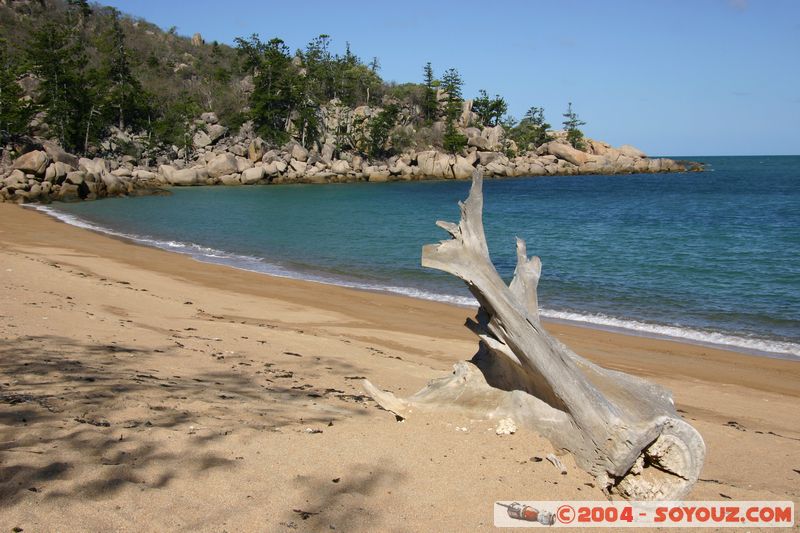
(707, 258)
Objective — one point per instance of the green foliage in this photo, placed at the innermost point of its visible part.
(410, 93)
(222, 75)
(451, 84)
(490, 110)
(173, 125)
(125, 101)
(453, 141)
(57, 56)
(353, 82)
(251, 52)
(276, 85)
(307, 123)
(531, 130)
(79, 8)
(320, 71)
(508, 122)
(94, 64)
(14, 112)
(575, 138)
(571, 125)
(380, 128)
(430, 106)
(401, 138)
(328, 76)
(360, 85)
(289, 91)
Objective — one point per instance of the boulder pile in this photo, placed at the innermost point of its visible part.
(48, 173)
(52, 174)
(248, 161)
(245, 159)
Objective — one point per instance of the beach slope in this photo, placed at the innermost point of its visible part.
(141, 389)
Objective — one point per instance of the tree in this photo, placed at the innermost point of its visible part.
(367, 83)
(345, 84)
(318, 63)
(571, 125)
(58, 58)
(126, 99)
(490, 110)
(453, 141)
(173, 124)
(14, 112)
(375, 64)
(480, 106)
(532, 129)
(380, 128)
(306, 120)
(276, 82)
(430, 106)
(79, 9)
(326, 76)
(251, 53)
(354, 82)
(451, 84)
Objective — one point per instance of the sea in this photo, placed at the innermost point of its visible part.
(710, 257)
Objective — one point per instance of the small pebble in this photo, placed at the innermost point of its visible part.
(506, 426)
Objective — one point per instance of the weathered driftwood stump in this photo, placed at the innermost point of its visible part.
(620, 428)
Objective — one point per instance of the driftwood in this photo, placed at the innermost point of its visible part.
(620, 428)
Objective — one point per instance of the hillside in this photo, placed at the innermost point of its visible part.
(151, 107)
(167, 79)
(172, 75)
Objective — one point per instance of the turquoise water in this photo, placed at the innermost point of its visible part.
(710, 257)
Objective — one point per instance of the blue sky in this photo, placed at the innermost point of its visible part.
(678, 77)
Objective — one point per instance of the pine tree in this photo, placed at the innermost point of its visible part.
(173, 125)
(57, 57)
(452, 83)
(125, 94)
(532, 129)
(277, 85)
(319, 73)
(379, 129)
(375, 64)
(347, 77)
(430, 106)
(490, 110)
(251, 53)
(571, 125)
(14, 112)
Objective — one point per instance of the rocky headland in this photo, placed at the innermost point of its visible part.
(44, 172)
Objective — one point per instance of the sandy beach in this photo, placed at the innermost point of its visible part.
(144, 390)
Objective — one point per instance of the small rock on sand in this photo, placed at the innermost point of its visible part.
(506, 426)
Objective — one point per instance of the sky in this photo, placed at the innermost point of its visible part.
(677, 77)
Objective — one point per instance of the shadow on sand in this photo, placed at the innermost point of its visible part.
(65, 405)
